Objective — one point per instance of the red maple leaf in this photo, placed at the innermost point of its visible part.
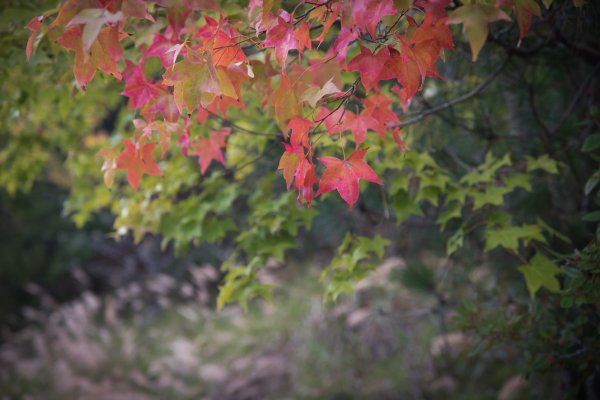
(435, 8)
(407, 73)
(359, 124)
(305, 181)
(371, 67)
(343, 176)
(160, 46)
(326, 16)
(334, 120)
(416, 59)
(296, 165)
(368, 13)
(178, 11)
(103, 55)
(137, 87)
(137, 160)
(282, 37)
(209, 149)
(299, 127)
(378, 107)
(302, 34)
(340, 46)
(34, 26)
(163, 102)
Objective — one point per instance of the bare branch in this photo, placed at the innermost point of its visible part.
(474, 92)
(230, 124)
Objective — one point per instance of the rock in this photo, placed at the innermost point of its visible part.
(454, 343)
(512, 388)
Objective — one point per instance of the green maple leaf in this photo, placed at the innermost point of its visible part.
(508, 237)
(195, 81)
(544, 163)
(540, 272)
(475, 18)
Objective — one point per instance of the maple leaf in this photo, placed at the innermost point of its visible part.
(475, 19)
(540, 272)
(137, 160)
(435, 34)
(109, 165)
(137, 87)
(93, 19)
(524, 12)
(296, 165)
(209, 149)
(343, 40)
(223, 40)
(314, 93)
(162, 102)
(283, 38)
(319, 75)
(221, 104)
(160, 46)
(359, 124)
(378, 107)
(368, 13)
(326, 16)
(179, 10)
(343, 176)
(334, 120)
(67, 10)
(302, 34)
(407, 73)
(103, 55)
(306, 178)
(194, 80)
(419, 57)
(226, 50)
(289, 162)
(208, 30)
(435, 8)
(34, 26)
(299, 127)
(285, 103)
(137, 9)
(165, 130)
(371, 67)
(419, 52)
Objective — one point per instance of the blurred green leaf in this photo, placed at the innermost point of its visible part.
(544, 163)
(591, 143)
(540, 272)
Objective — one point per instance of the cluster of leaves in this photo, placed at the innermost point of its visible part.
(328, 72)
(209, 61)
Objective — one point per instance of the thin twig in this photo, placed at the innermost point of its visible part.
(230, 124)
(478, 89)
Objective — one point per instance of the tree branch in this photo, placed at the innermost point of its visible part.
(474, 92)
(230, 124)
